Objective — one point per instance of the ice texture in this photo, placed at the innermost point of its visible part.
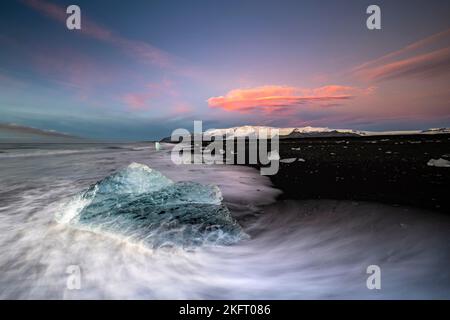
(439, 163)
(141, 205)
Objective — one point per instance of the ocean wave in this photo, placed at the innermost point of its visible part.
(141, 205)
(44, 153)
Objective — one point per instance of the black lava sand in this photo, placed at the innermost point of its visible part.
(388, 169)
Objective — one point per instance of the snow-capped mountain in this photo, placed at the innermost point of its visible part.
(299, 132)
(436, 131)
(246, 131)
(308, 132)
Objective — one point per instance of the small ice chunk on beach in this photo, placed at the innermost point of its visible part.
(439, 163)
(288, 160)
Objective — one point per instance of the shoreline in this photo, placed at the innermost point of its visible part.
(387, 169)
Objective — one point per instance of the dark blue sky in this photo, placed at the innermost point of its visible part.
(139, 69)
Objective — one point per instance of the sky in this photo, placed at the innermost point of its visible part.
(137, 70)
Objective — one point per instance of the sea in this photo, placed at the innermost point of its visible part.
(122, 221)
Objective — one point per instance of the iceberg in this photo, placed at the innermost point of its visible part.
(439, 163)
(141, 205)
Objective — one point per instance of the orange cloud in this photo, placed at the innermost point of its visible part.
(269, 98)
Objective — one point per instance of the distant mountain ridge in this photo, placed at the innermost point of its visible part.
(436, 130)
(308, 132)
(12, 132)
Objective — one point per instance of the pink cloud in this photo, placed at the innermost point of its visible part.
(427, 57)
(270, 98)
(137, 101)
(153, 91)
(141, 50)
(428, 64)
(423, 43)
(181, 108)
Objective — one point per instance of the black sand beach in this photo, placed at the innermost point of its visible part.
(387, 169)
